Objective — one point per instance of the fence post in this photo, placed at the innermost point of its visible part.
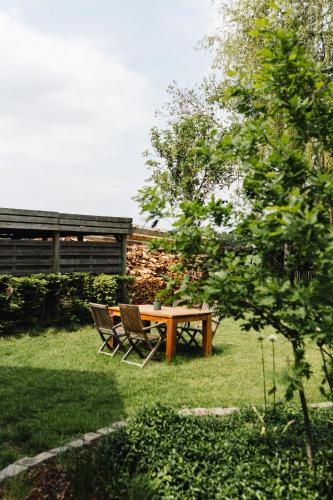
(56, 253)
(123, 260)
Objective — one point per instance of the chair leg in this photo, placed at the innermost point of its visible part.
(192, 339)
(125, 360)
(136, 347)
(187, 330)
(120, 345)
(100, 350)
(105, 344)
(152, 352)
(150, 355)
(161, 330)
(182, 331)
(133, 347)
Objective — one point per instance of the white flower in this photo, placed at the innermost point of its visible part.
(272, 338)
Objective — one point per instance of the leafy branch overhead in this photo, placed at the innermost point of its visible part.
(282, 143)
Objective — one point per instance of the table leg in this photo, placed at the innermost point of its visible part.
(207, 336)
(171, 339)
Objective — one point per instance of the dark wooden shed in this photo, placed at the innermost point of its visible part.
(33, 242)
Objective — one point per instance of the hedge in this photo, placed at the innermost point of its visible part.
(53, 299)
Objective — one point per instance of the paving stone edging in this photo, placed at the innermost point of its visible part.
(25, 463)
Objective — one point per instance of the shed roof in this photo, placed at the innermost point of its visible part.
(34, 223)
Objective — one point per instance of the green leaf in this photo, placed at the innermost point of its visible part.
(262, 23)
(254, 33)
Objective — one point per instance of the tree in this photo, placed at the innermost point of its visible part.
(181, 169)
(289, 211)
(181, 165)
(234, 47)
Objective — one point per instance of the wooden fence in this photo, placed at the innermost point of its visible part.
(29, 222)
(24, 257)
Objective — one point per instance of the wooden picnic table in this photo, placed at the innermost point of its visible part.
(172, 316)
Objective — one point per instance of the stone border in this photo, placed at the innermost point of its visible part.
(204, 412)
(25, 463)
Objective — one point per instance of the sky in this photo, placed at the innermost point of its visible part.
(80, 81)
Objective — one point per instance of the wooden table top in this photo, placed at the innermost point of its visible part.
(168, 312)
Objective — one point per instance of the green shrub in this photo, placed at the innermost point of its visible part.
(5, 296)
(209, 458)
(106, 288)
(54, 299)
(27, 299)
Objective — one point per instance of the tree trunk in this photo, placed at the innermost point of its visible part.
(307, 426)
(329, 377)
(306, 417)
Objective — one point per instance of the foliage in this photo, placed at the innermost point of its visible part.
(290, 202)
(49, 299)
(16, 488)
(182, 170)
(106, 288)
(235, 48)
(191, 457)
(180, 166)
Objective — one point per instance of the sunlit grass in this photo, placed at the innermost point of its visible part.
(54, 386)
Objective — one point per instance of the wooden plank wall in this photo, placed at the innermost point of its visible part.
(24, 257)
(41, 221)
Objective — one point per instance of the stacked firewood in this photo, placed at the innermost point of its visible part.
(149, 269)
(143, 262)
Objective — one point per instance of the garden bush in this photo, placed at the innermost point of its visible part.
(54, 299)
(161, 454)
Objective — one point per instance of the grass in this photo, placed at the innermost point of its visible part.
(54, 386)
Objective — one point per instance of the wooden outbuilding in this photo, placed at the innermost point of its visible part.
(44, 242)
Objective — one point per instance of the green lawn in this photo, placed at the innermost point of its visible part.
(54, 386)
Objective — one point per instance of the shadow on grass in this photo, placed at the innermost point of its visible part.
(193, 351)
(41, 408)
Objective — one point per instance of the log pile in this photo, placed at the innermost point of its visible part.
(149, 269)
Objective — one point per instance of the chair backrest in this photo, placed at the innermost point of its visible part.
(131, 319)
(101, 315)
(216, 319)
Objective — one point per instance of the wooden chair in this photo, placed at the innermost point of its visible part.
(138, 335)
(107, 331)
(188, 333)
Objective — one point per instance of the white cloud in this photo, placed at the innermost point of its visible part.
(73, 121)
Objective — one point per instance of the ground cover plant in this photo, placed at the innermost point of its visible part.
(235, 457)
(54, 387)
(163, 455)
